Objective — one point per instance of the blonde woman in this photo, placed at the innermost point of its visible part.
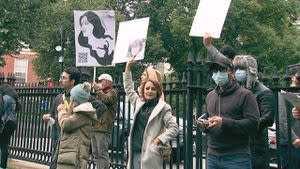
(153, 123)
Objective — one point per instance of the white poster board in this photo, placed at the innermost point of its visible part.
(94, 37)
(293, 98)
(210, 18)
(131, 40)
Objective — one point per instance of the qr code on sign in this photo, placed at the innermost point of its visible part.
(82, 57)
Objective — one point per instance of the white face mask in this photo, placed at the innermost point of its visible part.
(240, 75)
(220, 78)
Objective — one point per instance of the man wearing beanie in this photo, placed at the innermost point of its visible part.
(76, 127)
(232, 116)
(69, 78)
(104, 126)
(246, 75)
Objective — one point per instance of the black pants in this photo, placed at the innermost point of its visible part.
(259, 157)
(8, 130)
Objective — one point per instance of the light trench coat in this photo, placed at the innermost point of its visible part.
(161, 125)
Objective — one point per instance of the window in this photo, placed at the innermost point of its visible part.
(21, 66)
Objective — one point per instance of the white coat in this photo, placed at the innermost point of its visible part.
(161, 125)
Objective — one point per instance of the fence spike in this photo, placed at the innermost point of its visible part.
(287, 78)
(184, 79)
(199, 59)
(190, 58)
(275, 78)
(264, 77)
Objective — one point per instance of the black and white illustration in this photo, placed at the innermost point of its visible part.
(94, 37)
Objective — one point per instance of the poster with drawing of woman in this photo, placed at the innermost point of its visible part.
(131, 40)
(94, 37)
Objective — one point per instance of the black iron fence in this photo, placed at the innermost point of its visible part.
(185, 92)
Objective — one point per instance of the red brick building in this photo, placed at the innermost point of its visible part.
(21, 66)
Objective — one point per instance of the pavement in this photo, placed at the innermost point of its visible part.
(21, 164)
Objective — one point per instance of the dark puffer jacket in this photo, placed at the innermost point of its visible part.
(267, 107)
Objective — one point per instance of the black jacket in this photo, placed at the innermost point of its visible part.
(267, 107)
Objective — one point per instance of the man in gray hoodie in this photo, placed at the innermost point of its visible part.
(232, 116)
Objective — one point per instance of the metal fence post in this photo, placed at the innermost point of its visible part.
(189, 115)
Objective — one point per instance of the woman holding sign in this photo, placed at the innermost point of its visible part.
(153, 124)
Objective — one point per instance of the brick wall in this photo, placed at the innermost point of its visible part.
(10, 64)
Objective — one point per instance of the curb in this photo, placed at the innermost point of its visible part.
(21, 164)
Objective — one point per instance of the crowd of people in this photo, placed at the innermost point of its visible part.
(238, 112)
(82, 122)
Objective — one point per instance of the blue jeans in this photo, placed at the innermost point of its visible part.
(237, 161)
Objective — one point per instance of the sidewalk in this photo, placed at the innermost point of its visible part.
(21, 164)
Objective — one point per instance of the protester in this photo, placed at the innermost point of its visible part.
(76, 129)
(226, 50)
(104, 126)
(153, 123)
(232, 116)
(9, 105)
(149, 73)
(69, 78)
(97, 104)
(284, 107)
(246, 74)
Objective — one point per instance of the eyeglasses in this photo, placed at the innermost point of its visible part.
(63, 78)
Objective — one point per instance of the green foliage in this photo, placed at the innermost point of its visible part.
(9, 23)
(49, 18)
(264, 29)
(261, 28)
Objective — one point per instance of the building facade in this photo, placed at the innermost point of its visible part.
(21, 66)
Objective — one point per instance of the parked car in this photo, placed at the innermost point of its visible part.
(121, 127)
(272, 145)
(177, 143)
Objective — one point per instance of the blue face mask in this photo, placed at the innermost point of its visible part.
(220, 78)
(240, 75)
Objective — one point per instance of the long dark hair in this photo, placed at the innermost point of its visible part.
(98, 32)
(6, 89)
